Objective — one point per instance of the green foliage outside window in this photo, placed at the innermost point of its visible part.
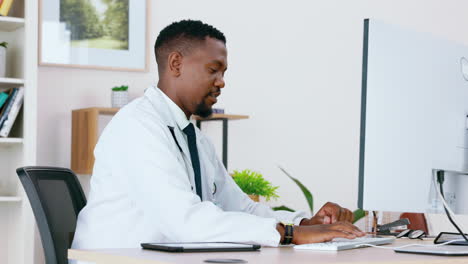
(253, 183)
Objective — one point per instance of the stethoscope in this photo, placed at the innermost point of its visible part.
(171, 129)
(175, 139)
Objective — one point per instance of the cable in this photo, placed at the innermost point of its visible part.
(449, 217)
(448, 211)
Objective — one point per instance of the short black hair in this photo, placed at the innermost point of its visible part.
(183, 36)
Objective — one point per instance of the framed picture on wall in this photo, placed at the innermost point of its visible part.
(99, 34)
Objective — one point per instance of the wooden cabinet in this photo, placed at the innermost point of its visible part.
(85, 133)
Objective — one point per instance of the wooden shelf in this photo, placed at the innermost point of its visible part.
(222, 117)
(10, 82)
(225, 119)
(10, 198)
(85, 134)
(100, 110)
(11, 140)
(11, 23)
(113, 111)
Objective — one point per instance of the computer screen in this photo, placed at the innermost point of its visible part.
(413, 119)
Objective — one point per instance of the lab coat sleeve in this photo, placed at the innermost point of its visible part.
(140, 151)
(231, 198)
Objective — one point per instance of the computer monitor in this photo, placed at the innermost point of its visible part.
(413, 120)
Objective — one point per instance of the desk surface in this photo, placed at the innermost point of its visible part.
(265, 255)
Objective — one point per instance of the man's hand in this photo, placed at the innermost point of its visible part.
(330, 213)
(323, 233)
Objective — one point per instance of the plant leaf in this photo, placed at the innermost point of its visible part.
(305, 191)
(282, 208)
(358, 214)
(253, 183)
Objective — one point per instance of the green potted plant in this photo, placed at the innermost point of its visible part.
(358, 213)
(254, 185)
(3, 48)
(119, 96)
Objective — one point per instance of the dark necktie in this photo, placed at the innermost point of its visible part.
(192, 143)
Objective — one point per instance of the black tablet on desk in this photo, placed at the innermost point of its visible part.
(200, 247)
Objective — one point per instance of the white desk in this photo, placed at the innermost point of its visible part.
(265, 255)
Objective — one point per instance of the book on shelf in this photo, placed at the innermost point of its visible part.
(17, 102)
(6, 107)
(5, 7)
(3, 96)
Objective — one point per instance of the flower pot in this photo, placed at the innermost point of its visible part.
(255, 198)
(119, 98)
(2, 61)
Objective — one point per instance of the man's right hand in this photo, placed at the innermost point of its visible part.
(323, 233)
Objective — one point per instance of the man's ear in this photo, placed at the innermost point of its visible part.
(175, 63)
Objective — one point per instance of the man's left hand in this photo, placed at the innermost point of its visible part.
(330, 213)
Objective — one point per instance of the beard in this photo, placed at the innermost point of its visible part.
(203, 110)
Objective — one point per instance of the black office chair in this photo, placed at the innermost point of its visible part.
(56, 198)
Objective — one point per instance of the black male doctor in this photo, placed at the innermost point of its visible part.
(157, 178)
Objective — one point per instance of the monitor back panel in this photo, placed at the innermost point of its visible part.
(414, 108)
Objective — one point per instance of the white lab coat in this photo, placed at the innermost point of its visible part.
(141, 188)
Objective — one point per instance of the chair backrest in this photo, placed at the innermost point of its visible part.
(417, 221)
(56, 198)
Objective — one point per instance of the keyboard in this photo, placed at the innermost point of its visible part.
(343, 243)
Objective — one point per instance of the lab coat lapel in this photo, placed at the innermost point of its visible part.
(161, 107)
(206, 172)
(180, 139)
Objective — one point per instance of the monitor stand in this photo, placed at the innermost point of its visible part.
(446, 250)
(444, 237)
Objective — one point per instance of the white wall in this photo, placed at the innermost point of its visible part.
(294, 67)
